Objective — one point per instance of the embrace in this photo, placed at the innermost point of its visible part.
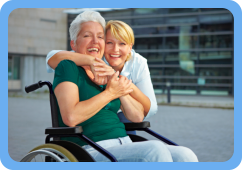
(101, 95)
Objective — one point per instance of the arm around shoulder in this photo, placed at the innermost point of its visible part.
(56, 56)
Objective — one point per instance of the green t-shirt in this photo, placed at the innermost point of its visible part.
(103, 125)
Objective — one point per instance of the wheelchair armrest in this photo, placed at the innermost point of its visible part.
(63, 130)
(136, 126)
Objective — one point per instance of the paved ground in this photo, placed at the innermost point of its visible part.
(221, 102)
(209, 132)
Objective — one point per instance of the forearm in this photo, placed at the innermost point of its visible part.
(132, 109)
(77, 58)
(84, 110)
(141, 98)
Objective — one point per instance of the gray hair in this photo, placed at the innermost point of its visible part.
(86, 16)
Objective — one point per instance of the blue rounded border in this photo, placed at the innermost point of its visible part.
(232, 6)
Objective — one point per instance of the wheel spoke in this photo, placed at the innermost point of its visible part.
(41, 158)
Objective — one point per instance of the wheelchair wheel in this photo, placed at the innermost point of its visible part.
(50, 152)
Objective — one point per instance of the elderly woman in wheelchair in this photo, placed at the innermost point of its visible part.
(82, 102)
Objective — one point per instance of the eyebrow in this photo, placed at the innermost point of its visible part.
(91, 32)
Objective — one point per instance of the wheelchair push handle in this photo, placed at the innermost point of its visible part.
(33, 87)
(38, 85)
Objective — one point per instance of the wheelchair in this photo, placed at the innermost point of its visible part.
(57, 150)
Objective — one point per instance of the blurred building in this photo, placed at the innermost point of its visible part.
(191, 48)
(32, 33)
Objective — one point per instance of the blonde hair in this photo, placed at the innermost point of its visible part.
(122, 32)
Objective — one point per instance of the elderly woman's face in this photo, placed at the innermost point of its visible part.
(90, 40)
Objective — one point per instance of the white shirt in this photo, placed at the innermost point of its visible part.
(135, 69)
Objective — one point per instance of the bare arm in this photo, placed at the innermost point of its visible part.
(83, 60)
(79, 59)
(132, 109)
(140, 97)
(74, 112)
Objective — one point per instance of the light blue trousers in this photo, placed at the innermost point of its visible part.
(148, 151)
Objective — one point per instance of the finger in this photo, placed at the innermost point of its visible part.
(125, 80)
(100, 60)
(98, 64)
(129, 91)
(122, 79)
(96, 80)
(115, 75)
(128, 82)
(101, 69)
(106, 80)
(106, 74)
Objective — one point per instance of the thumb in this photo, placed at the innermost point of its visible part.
(115, 75)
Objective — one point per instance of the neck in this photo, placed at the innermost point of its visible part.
(118, 68)
(89, 72)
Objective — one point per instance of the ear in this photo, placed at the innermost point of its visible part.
(73, 46)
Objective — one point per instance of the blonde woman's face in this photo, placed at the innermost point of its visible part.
(90, 40)
(116, 51)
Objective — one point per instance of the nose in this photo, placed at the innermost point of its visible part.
(95, 40)
(116, 47)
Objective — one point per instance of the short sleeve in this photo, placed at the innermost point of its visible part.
(49, 55)
(65, 71)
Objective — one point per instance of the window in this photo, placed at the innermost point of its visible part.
(13, 68)
(215, 41)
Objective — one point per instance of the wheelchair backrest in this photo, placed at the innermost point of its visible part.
(53, 104)
(54, 112)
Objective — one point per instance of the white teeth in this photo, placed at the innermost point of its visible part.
(92, 49)
(115, 55)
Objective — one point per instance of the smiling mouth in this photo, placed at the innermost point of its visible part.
(93, 49)
(115, 56)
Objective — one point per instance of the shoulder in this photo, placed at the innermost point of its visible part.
(138, 61)
(67, 63)
(137, 58)
(66, 71)
(66, 66)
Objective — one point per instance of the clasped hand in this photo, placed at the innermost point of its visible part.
(119, 85)
(101, 71)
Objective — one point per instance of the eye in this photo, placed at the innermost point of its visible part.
(101, 37)
(109, 42)
(122, 44)
(86, 35)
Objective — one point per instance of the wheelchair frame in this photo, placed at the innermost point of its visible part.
(56, 132)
